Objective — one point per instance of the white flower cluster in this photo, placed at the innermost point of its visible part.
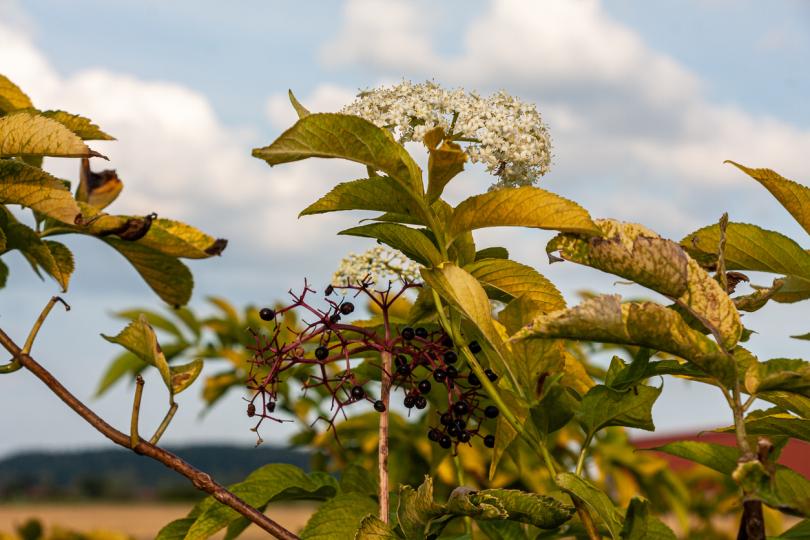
(500, 131)
(378, 263)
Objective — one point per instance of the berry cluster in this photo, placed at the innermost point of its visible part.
(425, 365)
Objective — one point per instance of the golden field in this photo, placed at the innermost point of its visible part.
(139, 520)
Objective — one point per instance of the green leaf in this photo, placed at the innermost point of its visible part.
(506, 280)
(788, 401)
(417, 508)
(444, 163)
(777, 424)
(502, 530)
(167, 276)
(81, 126)
(300, 110)
(11, 97)
(792, 195)
(124, 364)
(714, 456)
(329, 135)
(605, 319)
(636, 253)
(603, 407)
(491, 253)
(757, 300)
(413, 243)
(339, 518)
(799, 531)
(784, 374)
(356, 479)
(34, 188)
(378, 193)
(522, 207)
(531, 508)
(505, 433)
(373, 528)
(139, 338)
(784, 489)
(596, 500)
(3, 274)
(155, 319)
(26, 133)
(749, 247)
(271, 483)
(641, 524)
(274, 482)
(52, 257)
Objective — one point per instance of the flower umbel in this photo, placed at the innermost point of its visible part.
(500, 131)
(380, 263)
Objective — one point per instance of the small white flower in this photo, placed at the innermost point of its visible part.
(379, 263)
(505, 134)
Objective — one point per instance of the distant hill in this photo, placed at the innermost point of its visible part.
(120, 474)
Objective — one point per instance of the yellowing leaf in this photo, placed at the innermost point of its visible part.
(506, 280)
(182, 376)
(139, 338)
(52, 257)
(792, 195)
(300, 110)
(81, 126)
(521, 207)
(34, 188)
(329, 135)
(26, 133)
(605, 319)
(595, 499)
(412, 242)
(444, 163)
(603, 407)
(634, 252)
(177, 239)
(11, 97)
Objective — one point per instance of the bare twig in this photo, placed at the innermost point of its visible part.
(134, 438)
(164, 424)
(201, 480)
(14, 365)
(385, 397)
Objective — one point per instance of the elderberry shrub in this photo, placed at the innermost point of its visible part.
(425, 366)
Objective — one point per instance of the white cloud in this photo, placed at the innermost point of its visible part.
(624, 118)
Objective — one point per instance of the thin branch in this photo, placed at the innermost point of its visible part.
(134, 438)
(164, 424)
(201, 480)
(15, 365)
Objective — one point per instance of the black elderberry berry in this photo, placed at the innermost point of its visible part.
(267, 314)
(489, 441)
(445, 442)
(358, 392)
(446, 418)
(460, 423)
(329, 290)
(491, 411)
(346, 308)
(491, 375)
(433, 435)
(271, 406)
(464, 436)
(321, 353)
(473, 379)
(334, 318)
(460, 408)
(421, 333)
(452, 372)
(403, 370)
(447, 342)
(409, 402)
(421, 402)
(408, 333)
(379, 406)
(251, 410)
(400, 360)
(450, 357)
(439, 375)
(424, 386)
(475, 348)
(453, 431)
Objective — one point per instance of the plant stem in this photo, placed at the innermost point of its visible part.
(201, 480)
(460, 479)
(586, 519)
(385, 396)
(14, 365)
(134, 438)
(582, 452)
(164, 424)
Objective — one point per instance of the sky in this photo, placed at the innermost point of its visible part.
(644, 101)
